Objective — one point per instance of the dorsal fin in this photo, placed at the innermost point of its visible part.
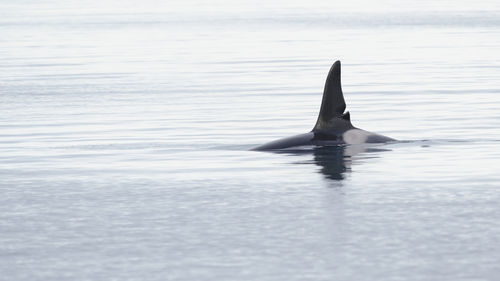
(333, 104)
(346, 116)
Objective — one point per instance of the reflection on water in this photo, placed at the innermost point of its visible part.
(334, 161)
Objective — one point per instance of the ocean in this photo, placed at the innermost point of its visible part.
(126, 129)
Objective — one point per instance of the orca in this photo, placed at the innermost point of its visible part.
(333, 126)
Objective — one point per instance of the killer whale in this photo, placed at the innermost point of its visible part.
(333, 126)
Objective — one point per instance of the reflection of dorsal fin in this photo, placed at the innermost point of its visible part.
(333, 104)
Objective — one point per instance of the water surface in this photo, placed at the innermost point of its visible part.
(126, 127)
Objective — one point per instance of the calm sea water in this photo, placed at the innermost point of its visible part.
(125, 128)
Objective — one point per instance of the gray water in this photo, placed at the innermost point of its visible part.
(125, 131)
